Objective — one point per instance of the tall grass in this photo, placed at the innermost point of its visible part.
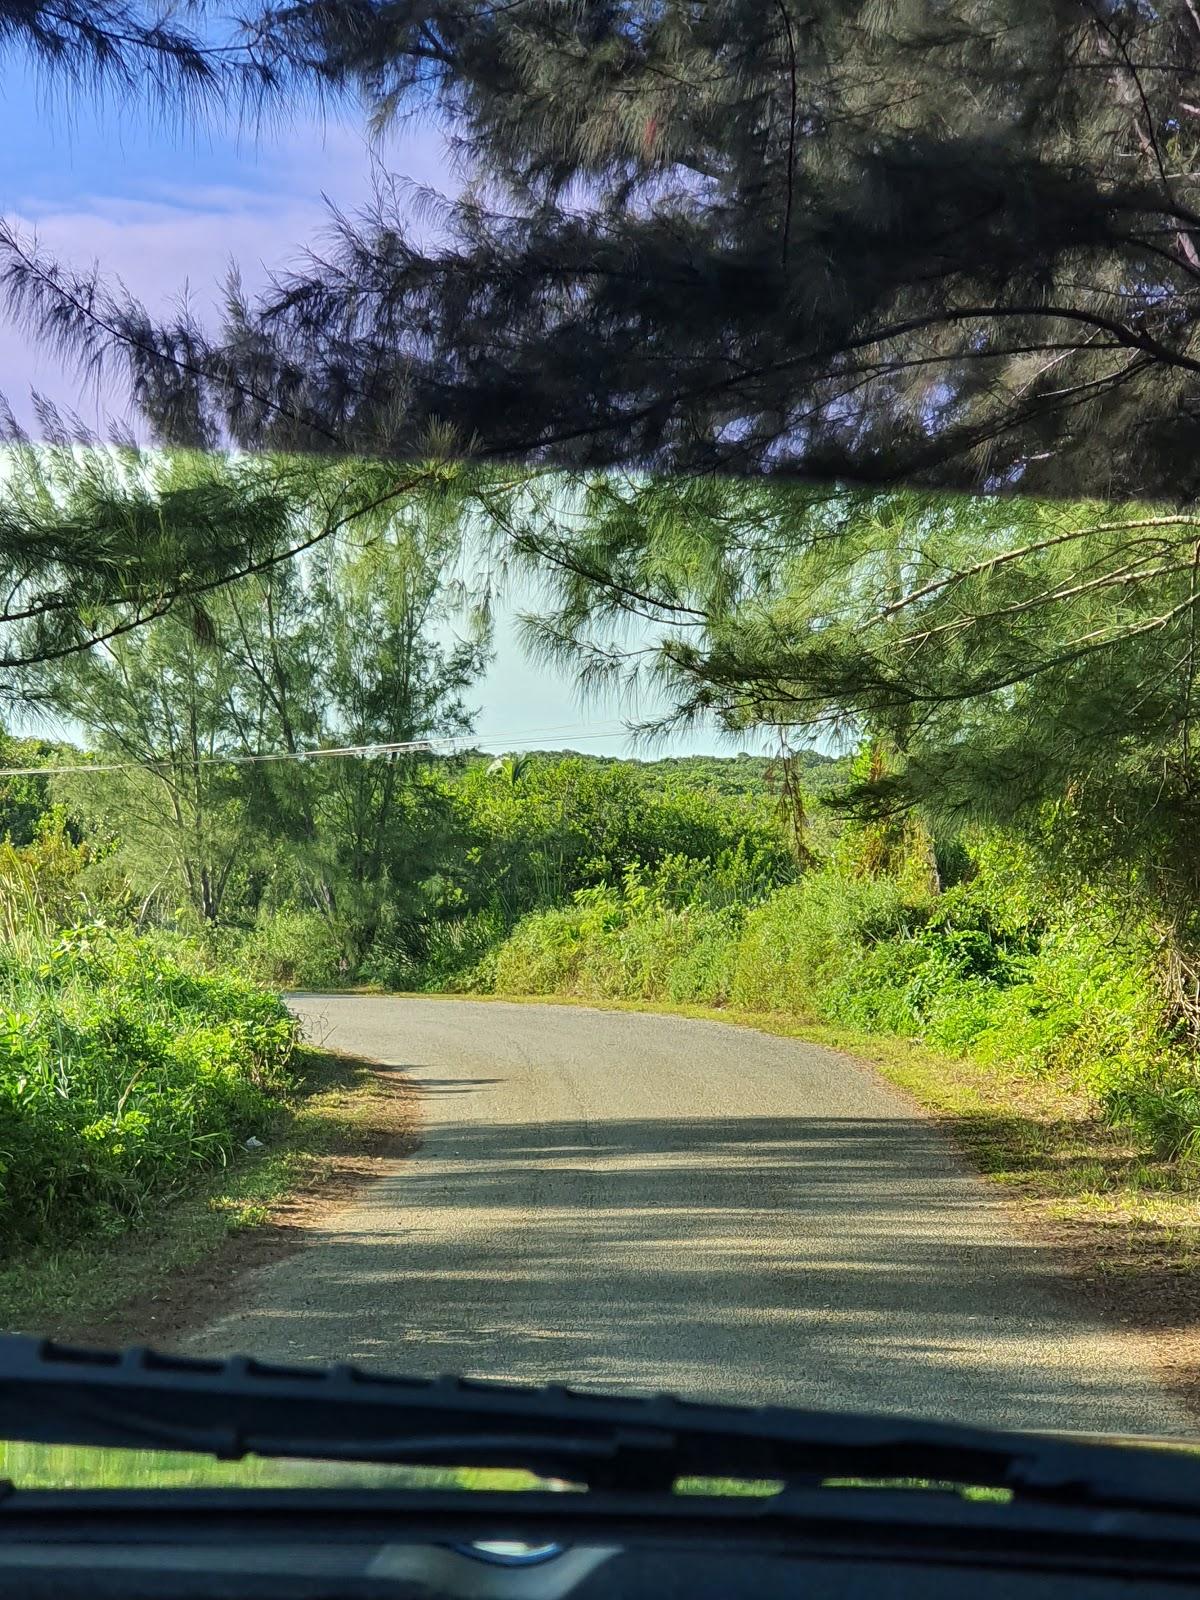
(123, 1072)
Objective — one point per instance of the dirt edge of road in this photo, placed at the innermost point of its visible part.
(1123, 1220)
(349, 1124)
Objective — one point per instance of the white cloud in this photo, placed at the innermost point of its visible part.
(159, 233)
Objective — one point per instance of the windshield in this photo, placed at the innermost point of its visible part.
(598, 781)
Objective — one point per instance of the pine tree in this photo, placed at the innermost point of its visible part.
(944, 241)
(182, 60)
(96, 541)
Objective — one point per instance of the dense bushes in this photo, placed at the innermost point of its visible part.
(123, 1072)
(810, 939)
(538, 831)
(288, 948)
(519, 836)
(991, 967)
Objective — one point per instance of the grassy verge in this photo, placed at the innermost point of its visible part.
(149, 1281)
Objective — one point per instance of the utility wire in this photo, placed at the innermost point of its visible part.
(235, 759)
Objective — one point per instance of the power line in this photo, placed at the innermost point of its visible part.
(367, 751)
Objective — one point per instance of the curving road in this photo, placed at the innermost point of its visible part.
(649, 1202)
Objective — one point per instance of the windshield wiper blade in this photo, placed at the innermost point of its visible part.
(56, 1394)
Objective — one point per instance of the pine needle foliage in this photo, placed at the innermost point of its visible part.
(1024, 663)
(944, 241)
(96, 541)
(178, 61)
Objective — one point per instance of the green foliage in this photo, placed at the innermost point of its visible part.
(1022, 665)
(41, 885)
(446, 953)
(24, 799)
(995, 967)
(96, 539)
(574, 823)
(123, 1072)
(541, 954)
(334, 650)
(290, 948)
(799, 252)
(665, 930)
(740, 776)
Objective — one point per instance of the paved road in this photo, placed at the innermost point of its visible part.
(650, 1202)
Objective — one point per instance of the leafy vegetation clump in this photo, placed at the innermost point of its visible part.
(996, 967)
(533, 834)
(124, 1071)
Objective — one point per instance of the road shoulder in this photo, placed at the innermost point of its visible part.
(154, 1284)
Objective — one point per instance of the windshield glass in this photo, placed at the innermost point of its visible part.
(598, 643)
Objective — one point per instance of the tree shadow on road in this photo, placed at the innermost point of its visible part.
(850, 1262)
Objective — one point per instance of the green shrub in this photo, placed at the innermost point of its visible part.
(703, 973)
(292, 948)
(122, 1074)
(873, 992)
(634, 961)
(541, 955)
(544, 828)
(807, 941)
(1089, 1006)
(956, 1017)
(627, 945)
(454, 951)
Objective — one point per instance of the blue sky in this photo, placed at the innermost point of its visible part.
(161, 208)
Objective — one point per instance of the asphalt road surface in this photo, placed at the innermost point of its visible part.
(628, 1201)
